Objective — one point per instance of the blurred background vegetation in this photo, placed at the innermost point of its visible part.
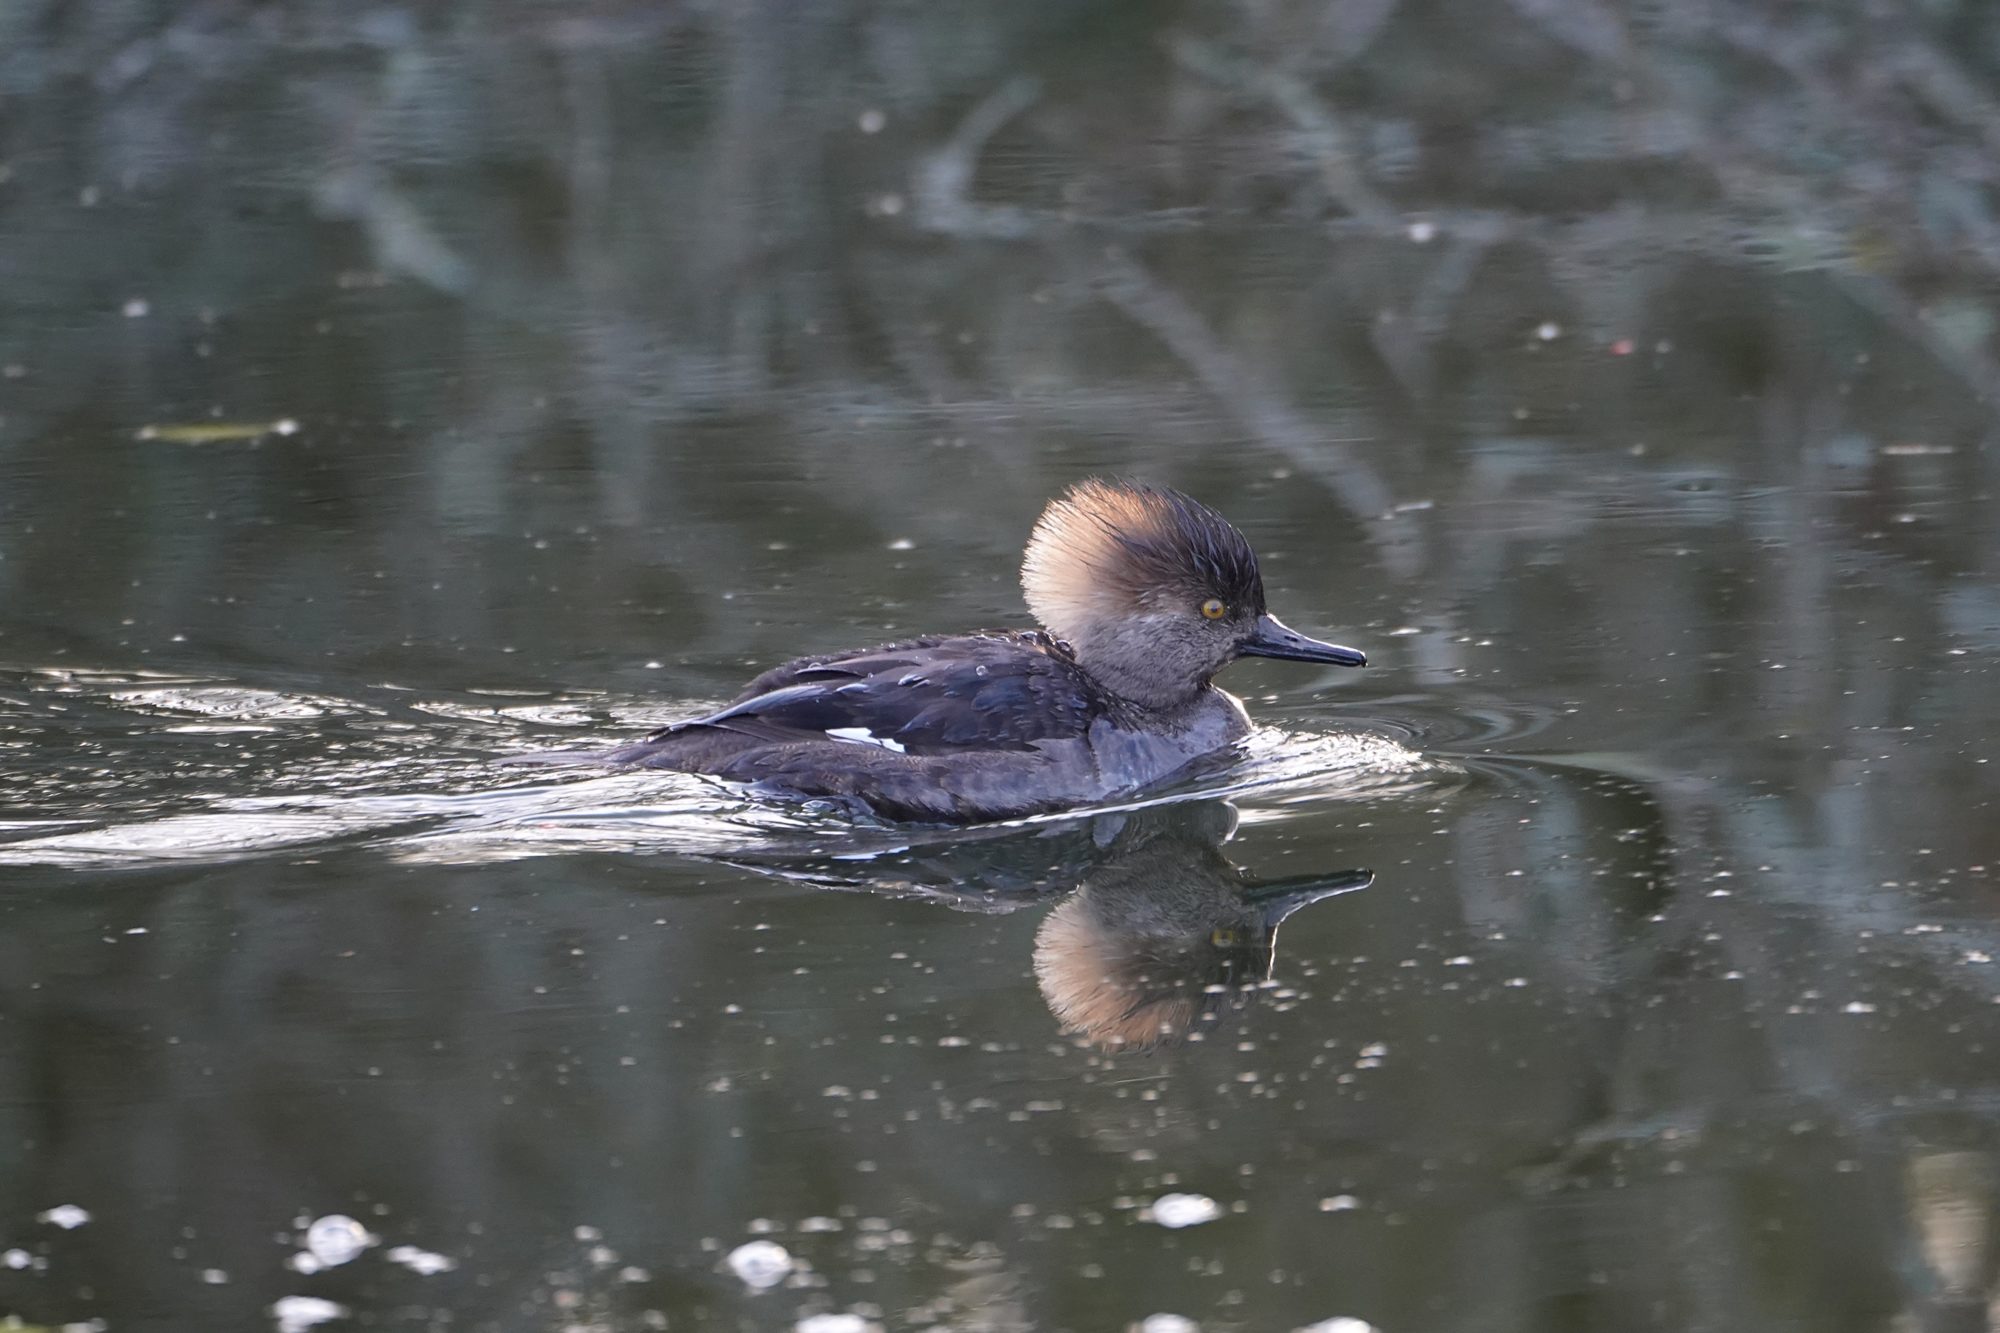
(522, 268)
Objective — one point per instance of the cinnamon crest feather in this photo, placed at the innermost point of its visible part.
(1108, 549)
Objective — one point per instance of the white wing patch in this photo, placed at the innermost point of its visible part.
(863, 736)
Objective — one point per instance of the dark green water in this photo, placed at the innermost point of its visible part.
(1623, 388)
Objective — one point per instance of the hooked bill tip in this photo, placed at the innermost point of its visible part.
(1274, 638)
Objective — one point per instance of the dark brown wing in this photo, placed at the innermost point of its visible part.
(926, 696)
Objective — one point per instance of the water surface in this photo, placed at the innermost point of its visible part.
(388, 393)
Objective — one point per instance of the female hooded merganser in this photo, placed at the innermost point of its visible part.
(1146, 595)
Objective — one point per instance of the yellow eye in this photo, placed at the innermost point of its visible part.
(1214, 609)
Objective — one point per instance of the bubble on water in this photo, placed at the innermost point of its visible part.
(421, 1262)
(214, 1277)
(1185, 1210)
(1339, 1203)
(17, 1259)
(337, 1238)
(1168, 1323)
(304, 1263)
(296, 1314)
(65, 1215)
(1340, 1324)
(760, 1264)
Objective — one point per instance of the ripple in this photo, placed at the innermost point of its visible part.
(1460, 719)
(228, 701)
(1295, 768)
(178, 770)
(200, 838)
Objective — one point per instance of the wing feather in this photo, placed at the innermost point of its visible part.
(995, 691)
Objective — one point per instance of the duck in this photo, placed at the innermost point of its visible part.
(1143, 594)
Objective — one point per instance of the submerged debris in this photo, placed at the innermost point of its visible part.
(215, 432)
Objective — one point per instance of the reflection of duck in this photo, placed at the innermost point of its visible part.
(1160, 927)
(1156, 938)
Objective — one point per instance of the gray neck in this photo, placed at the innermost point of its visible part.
(1139, 668)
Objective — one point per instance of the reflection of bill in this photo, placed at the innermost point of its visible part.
(1163, 934)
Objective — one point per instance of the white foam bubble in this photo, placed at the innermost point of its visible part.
(296, 1314)
(421, 1262)
(836, 1322)
(337, 1239)
(1185, 1210)
(760, 1264)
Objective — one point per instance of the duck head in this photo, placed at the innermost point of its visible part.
(1155, 592)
